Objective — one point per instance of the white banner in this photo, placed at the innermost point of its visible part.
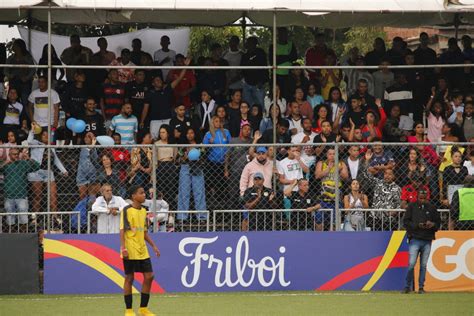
(150, 41)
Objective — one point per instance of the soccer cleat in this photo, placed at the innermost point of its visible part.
(130, 312)
(144, 311)
(406, 291)
(421, 291)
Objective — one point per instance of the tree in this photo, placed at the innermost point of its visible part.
(202, 38)
(363, 38)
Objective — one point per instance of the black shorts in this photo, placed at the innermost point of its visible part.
(131, 266)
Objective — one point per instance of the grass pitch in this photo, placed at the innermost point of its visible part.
(250, 303)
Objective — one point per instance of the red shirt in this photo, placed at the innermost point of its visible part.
(378, 129)
(188, 82)
(315, 56)
(410, 194)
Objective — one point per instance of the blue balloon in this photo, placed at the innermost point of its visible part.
(79, 126)
(105, 140)
(194, 154)
(70, 123)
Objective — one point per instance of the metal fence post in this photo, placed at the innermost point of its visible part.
(153, 179)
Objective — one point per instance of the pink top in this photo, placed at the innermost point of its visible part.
(246, 179)
(435, 126)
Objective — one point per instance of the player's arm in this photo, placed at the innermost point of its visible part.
(123, 250)
(152, 244)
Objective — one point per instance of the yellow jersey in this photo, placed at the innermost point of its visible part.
(134, 223)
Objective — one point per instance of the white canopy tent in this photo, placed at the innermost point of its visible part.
(321, 13)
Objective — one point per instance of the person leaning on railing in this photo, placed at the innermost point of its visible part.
(15, 183)
(355, 220)
(462, 206)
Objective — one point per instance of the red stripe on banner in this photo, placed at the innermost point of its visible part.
(111, 257)
(48, 255)
(364, 268)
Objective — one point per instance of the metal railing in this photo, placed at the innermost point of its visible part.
(57, 222)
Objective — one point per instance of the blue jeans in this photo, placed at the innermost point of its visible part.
(253, 95)
(415, 247)
(188, 182)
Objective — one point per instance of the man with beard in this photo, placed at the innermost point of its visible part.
(125, 124)
(260, 164)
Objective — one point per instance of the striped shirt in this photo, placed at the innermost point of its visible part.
(126, 127)
(113, 96)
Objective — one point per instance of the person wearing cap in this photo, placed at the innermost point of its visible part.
(258, 197)
(421, 221)
(410, 191)
(301, 203)
(260, 164)
(462, 206)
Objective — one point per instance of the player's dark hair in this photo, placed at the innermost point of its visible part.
(133, 189)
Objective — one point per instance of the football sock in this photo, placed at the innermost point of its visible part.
(145, 297)
(128, 301)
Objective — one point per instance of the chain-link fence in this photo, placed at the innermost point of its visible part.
(212, 187)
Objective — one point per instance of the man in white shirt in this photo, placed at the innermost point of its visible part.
(165, 56)
(108, 208)
(295, 118)
(233, 56)
(291, 168)
(306, 137)
(38, 104)
(162, 210)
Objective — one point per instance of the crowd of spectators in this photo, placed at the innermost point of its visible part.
(216, 106)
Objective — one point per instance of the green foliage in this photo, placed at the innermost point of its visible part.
(202, 37)
(363, 38)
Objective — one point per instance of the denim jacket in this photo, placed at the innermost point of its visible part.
(37, 153)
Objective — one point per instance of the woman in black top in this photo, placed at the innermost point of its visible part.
(454, 174)
(54, 61)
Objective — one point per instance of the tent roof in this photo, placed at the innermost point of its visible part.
(321, 13)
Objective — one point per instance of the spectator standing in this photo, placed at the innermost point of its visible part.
(236, 122)
(466, 121)
(125, 124)
(112, 97)
(335, 103)
(391, 130)
(453, 177)
(436, 119)
(295, 118)
(141, 161)
(137, 54)
(75, 96)
(410, 191)
(424, 55)
(468, 51)
(191, 177)
(396, 53)
(166, 172)
(205, 111)
(356, 75)
(219, 93)
(380, 161)
(103, 57)
(108, 174)
(282, 137)
(233, 56)
(291, 168)
(421, 221)
(455, 107)
(125, 75)
(158, 104)
(164, 56)
(12, 114)
(20, 78)
(355, 220)
(453, 55)
(75, 55)
(184, 88)
(375, 122)
(401, 94)
(325, 172)
(15, 182)
(55, 61)
(94, 121)
(375, 56)
(260, 164)
(38, 107)
(108, 207)
(357, 166)
(86, 177)
(383, 79)
(286, 55)
(135, 92)
(180, 124)
(316, 56)
(40, 177)
(461, 206)
(254, 79)
(306, 137)
(217, 166)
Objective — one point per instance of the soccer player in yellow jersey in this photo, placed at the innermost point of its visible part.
(133, 234)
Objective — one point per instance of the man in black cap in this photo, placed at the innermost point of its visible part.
(258, 197)
(421, 221)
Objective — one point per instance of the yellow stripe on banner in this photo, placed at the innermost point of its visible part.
(392, 249)
(74, 253)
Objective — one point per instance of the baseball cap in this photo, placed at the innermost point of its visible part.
(258, 175)
(261, 149)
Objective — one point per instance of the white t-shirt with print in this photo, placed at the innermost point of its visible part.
(291, 169)
(12, 113)
(40, 105)
(161, 55)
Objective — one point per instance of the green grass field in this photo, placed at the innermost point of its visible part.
(251, 303)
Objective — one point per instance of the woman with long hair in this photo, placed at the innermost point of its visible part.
(436, 119)
(12, 114)
(321, 113)
(166, 171)
(453, 177)
(413, 165)
(313, 95)
(355, 220)
(236, 122)
(141, 161)
(86, 177)
(221, 113)
(21, 78)
(273, 115)
(191, 177)
(256, 116)
(335, 102)
(427, 152)
(107, 173)
(374, 124)
(55, 61)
